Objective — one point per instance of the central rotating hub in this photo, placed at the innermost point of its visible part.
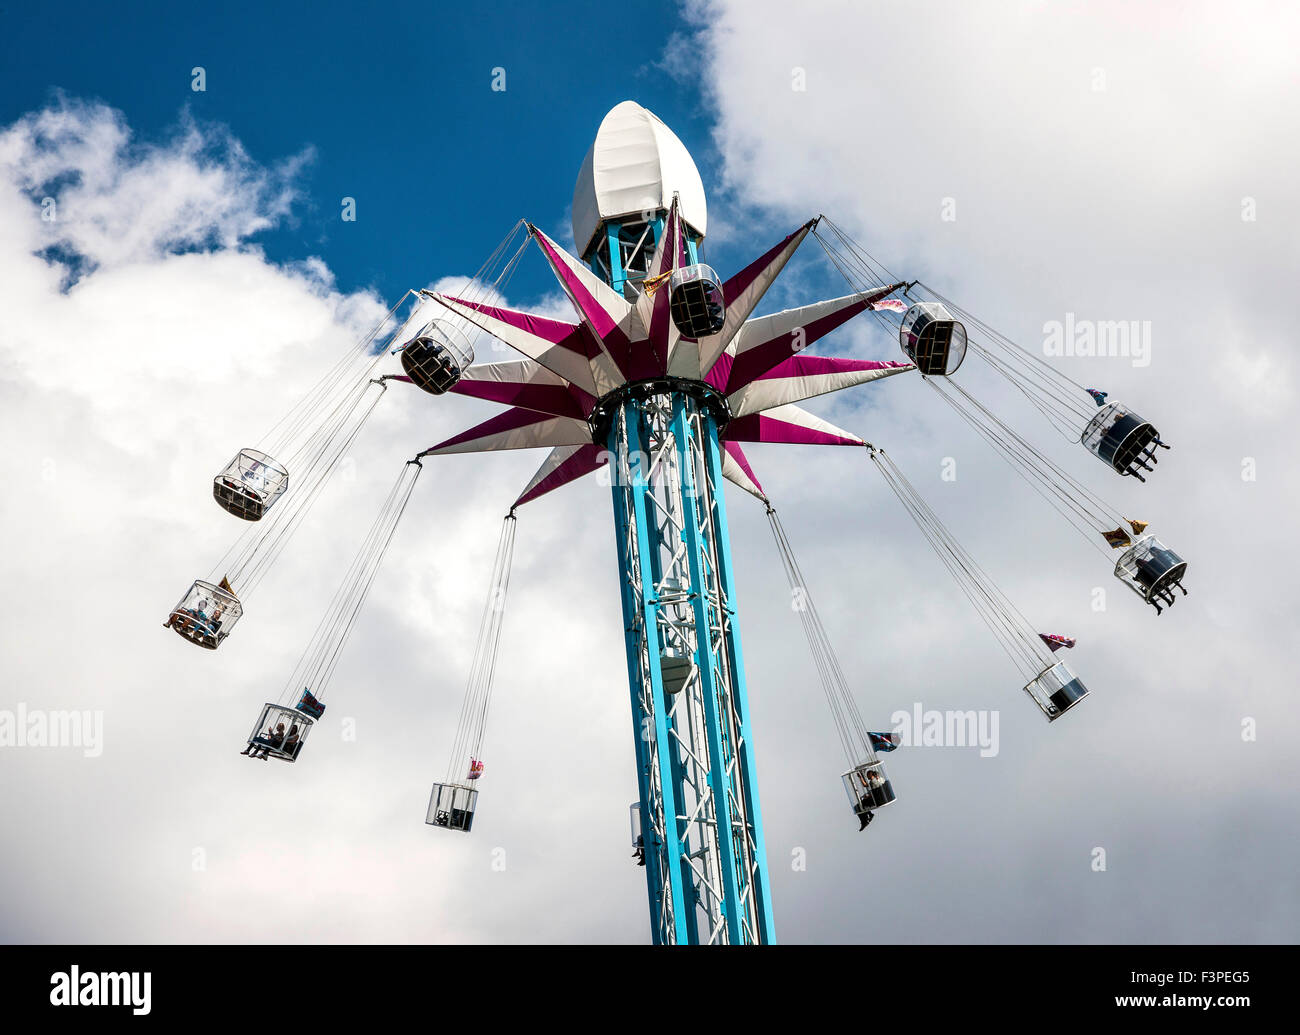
(602, 417)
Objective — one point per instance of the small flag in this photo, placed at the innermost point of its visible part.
(883, 742)
(225, 584)
(1056, 642)
(1137, 526)
(1098, 397)
(652, 284)
(1117, 538)
(475, 768)
(893, 305)
(309, 705)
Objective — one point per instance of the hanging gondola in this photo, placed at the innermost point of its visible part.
(279, 732)
(250, 484)
(695, 301)
(932, 339)
(436, 357)
(1152, 571)
(206, 614)
(452, 806)
(1122, 439)
(868, 789)
(1056, 689)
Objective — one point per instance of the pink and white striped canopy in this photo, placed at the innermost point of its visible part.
(758, 364)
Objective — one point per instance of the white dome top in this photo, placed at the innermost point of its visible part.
(635, 164)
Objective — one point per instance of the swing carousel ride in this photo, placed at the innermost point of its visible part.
(665, 377)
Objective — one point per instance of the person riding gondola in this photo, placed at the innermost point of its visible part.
(274, 737)
(292, 741)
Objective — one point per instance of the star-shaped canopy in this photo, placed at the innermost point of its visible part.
(757, 364)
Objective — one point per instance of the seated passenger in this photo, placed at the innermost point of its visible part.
(274, 736)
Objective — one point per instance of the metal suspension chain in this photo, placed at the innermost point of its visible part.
(1006, 343)
(1054, 394)
(985, 593)
(1009, 626)
(288, 516)
(859, 270)
(1067, 420)
(849, 724)
(484, 286)
(318, 443)
(472, 724)
(291, 437)
(315, 668)
(1062, 400)
(1087, 512)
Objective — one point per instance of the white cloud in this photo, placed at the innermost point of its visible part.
(119, 201)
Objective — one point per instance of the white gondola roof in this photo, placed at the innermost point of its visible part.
(634, 164)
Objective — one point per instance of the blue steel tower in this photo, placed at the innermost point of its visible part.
(702, 832)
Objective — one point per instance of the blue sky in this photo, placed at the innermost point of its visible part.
(396, 108)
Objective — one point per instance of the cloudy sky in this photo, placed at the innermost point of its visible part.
(189, 276)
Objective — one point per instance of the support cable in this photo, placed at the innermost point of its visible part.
(1010, 628)
(471, 726)
(1062, 401)
(315, 668)
(849, 724)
